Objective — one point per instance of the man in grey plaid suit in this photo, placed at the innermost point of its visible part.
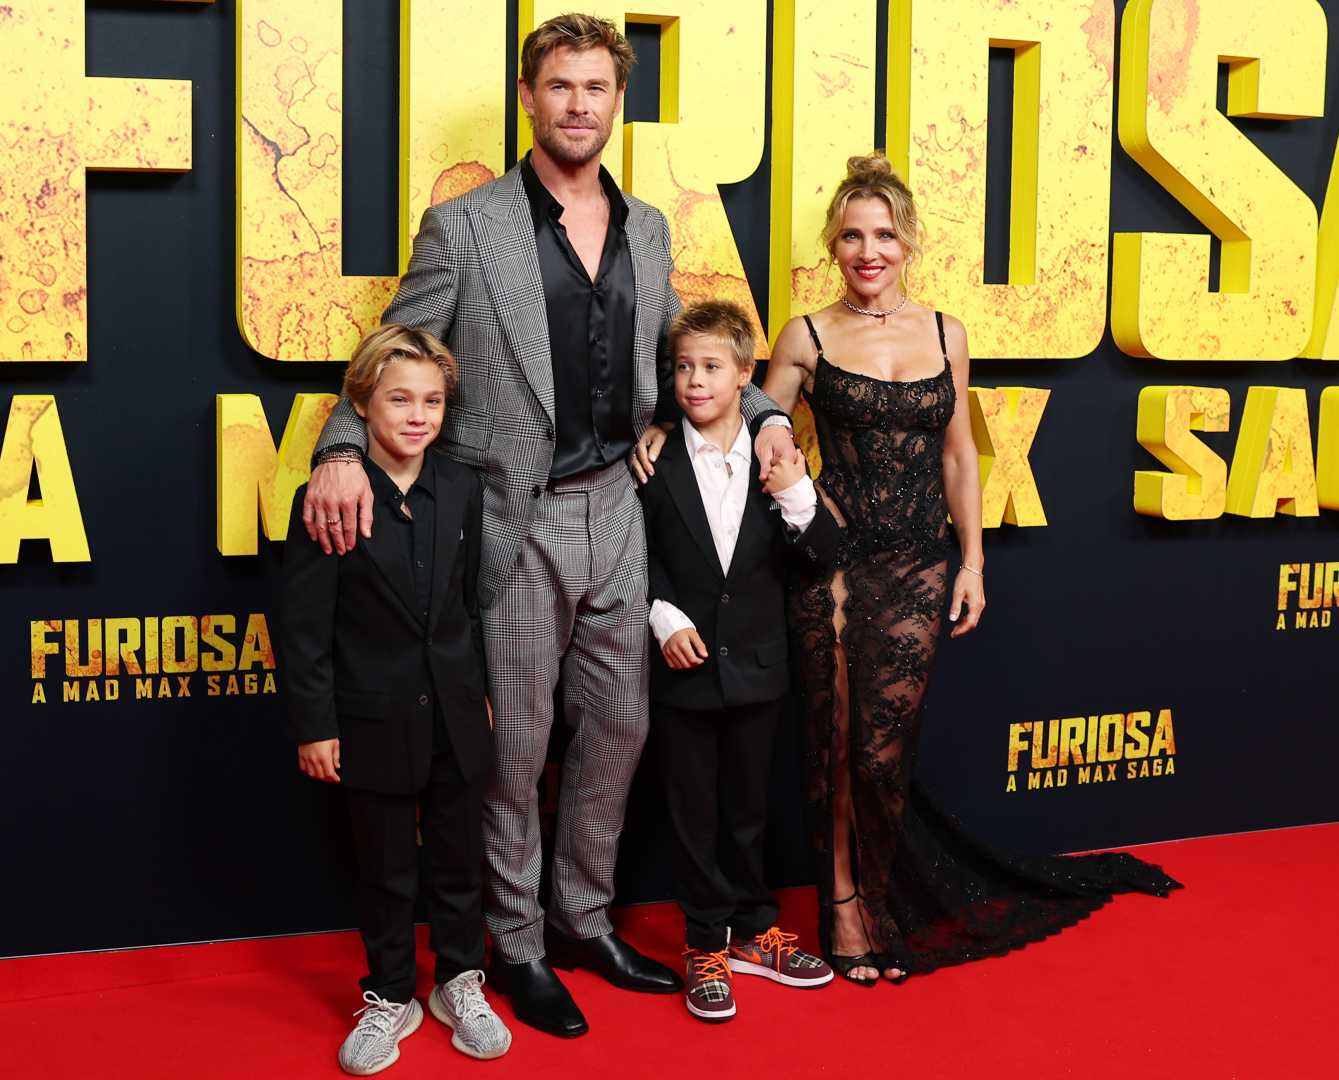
(552, 289)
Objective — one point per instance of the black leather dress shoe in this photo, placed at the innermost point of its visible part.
(538, 997)
(615, 960)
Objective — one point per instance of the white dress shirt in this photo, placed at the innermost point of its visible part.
(723, 481)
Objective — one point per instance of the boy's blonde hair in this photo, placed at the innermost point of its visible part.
(717, 318)
(871, 176)
(579, 32)
(394, 342)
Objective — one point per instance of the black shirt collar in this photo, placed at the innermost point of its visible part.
(543, 206)
(383, 487)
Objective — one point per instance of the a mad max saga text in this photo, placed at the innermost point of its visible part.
(151, 657)
(1098, 749)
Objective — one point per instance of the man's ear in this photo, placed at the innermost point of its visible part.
(527, 96)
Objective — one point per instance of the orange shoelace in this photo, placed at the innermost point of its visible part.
(777, 939)
(711, 965)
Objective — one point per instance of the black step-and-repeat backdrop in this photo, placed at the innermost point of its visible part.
(1132, 207)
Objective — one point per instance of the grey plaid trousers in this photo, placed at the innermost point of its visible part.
(574, 605)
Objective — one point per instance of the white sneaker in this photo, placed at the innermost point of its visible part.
(375, 1043)
(460, 1005)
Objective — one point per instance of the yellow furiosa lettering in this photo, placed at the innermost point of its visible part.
(250, 469)
(1327, 450)
(57, 125)
(1324, 344)
(1271, 468)
(40, 631)
(823, 59)
(33, 439)
(938, 63)
(294, 301)
(1004, 423)
(1169, 123)
(1196, 487)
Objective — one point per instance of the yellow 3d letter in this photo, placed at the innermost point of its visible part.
(1169, 123)
(1196, 488)
(56, 125)
(1004, 423)
(1324, 343)
(250, 470)
(294, 301)
(33, 439)
(938, 73)
(1327, 449)
(1272, 469)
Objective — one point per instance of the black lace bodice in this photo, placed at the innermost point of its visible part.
(882, 445)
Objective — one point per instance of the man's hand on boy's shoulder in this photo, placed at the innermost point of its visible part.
(684, 649)
(320, 760)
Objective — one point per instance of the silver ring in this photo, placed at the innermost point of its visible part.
(332, 521)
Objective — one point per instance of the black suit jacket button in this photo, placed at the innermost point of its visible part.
(534, 491)
(725, 651)
(423, 699)
(725, 598)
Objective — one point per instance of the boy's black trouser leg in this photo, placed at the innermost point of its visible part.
(747, 737)
(451, 862)
(385, 852)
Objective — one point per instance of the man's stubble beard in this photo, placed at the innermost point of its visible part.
(551, 141)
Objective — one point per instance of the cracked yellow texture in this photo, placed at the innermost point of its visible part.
(294, 301)
(33, 439)
(251, 471)
(1327, 450)
(822, 113)
(1196, 487)
(1055, 302)
(1004, 423)
(1170, 124)
(55, 125)
(1272, 471)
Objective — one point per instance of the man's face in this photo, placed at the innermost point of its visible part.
(573, 104)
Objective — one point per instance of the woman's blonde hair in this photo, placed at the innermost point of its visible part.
(871, 176)
(394, 342)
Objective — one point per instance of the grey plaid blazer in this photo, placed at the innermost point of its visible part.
(474, 282)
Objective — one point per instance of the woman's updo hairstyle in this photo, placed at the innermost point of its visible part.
(871, 176)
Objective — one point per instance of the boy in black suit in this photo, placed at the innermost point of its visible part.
(386, 697)
(717, 543)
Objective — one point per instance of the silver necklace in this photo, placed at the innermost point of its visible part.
(874, 312)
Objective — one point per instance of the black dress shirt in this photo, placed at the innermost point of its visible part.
(417, 537)
(590, 333)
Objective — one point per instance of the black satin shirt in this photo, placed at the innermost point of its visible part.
(590, 333)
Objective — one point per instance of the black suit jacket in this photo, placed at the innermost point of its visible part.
(740, 616)
(359, 663)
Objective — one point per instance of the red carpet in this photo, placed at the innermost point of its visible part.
(1235, 976)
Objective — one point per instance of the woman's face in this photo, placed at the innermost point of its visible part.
(868, 251)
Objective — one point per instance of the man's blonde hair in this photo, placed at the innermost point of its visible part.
(579, 32)
(394, 342)
(717, 318)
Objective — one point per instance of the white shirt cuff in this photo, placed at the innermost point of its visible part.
(667, 620)
(799, 503)
(774, 420)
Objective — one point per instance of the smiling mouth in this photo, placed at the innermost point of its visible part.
(869, 271)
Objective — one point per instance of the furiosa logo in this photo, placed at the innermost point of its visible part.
(1308, 593)
(1096, 749)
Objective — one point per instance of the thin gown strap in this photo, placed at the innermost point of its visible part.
(943, 344)
(814, 334)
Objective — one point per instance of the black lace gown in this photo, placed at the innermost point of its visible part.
(865, 638)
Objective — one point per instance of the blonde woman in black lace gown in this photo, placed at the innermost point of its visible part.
(901, 888)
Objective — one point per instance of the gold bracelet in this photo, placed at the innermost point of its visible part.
(971, 570)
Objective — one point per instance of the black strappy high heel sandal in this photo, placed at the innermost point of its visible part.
(844, 965)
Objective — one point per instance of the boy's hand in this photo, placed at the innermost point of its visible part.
(775, 442)
(785, 472)
(320, 760)
(684, 650)
(488, 704)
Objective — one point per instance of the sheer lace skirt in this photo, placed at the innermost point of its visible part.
(864, 645)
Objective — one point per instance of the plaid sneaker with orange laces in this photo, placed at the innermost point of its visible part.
(709, 993)
(772, 956)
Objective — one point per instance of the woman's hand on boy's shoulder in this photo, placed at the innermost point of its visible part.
(320, 760)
